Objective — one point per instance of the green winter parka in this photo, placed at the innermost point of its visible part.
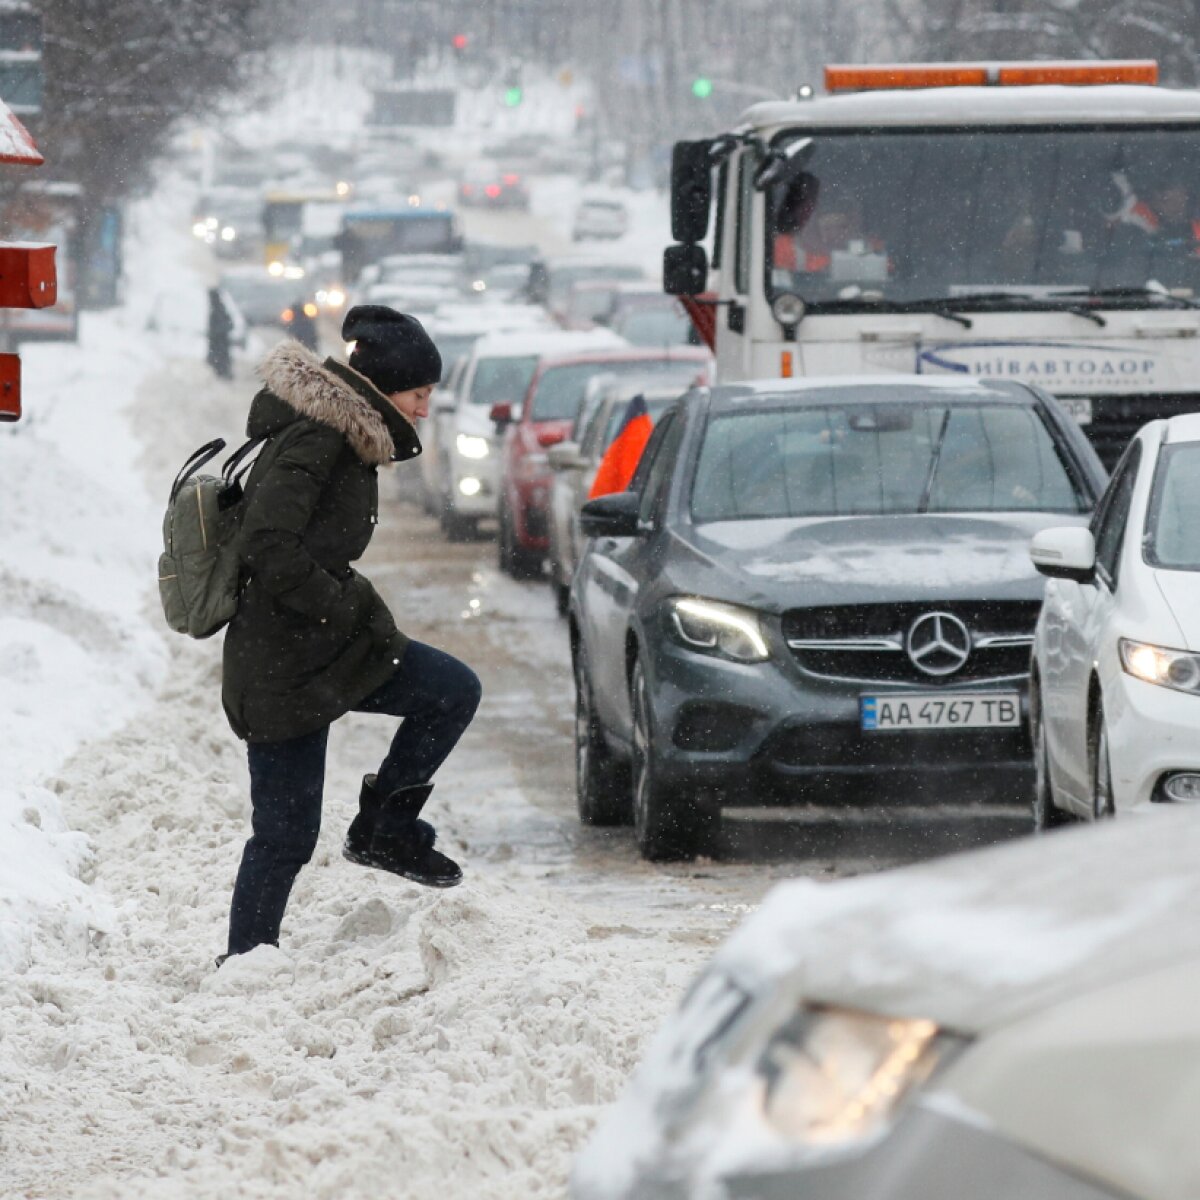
(311, 638)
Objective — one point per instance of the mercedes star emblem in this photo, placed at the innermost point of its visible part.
(938, 643)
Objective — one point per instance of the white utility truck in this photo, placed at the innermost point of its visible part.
(1027, 221)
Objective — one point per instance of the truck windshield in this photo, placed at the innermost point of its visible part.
(1173, 525)
(853, 459)
(910, 215)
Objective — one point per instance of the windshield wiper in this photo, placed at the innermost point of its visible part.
(1054, 298)
(947, 306)
(1129, 293)
(939, 306)
(935, 457)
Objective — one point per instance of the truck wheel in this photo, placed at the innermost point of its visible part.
(667, 824)
(601, 785)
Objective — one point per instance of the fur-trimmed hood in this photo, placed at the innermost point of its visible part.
(333, 394)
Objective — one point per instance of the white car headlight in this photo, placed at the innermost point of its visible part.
(714, 628)
(832, 1077)
(1175, 669)
(470, 446)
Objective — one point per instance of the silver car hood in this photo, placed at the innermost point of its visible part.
(975, 942)
(978, 939)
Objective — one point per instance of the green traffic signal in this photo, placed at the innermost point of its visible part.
(702, 88)
(513, 96)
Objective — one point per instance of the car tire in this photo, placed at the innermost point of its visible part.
(667, 824)
(1100, 767)
(504, 544)
(601, 782)
(456, 528)
(562, 597)
(514, 559)
(1046, 814)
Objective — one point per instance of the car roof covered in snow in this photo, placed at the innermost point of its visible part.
(873, 389)
(545, 341)
(1055, 105)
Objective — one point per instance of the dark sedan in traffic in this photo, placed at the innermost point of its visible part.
(818, 589)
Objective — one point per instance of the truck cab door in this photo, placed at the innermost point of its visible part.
(740, 212)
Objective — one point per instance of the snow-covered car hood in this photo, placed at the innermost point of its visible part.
(777, 564)
(974, 942)
(1181, 591)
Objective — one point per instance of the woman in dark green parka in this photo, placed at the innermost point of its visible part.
(312, 639)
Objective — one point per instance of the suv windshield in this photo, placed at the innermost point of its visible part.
(503, 380)
(1173, 524)
(1051, 209)
(845, 460)
(560, 390)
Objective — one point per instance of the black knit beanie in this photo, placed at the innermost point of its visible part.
(391, 349)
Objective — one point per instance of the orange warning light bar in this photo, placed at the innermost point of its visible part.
(1016, 74)
(1024, 74)
(929, 75)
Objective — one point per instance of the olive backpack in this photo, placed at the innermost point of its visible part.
(198, 571)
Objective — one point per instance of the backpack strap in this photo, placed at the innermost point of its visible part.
(239, 462)
(205, 454)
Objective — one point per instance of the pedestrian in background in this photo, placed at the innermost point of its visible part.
(220, 326)
(300, 320)
(312, 639)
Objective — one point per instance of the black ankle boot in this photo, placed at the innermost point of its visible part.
(358, 837)
(404, 844)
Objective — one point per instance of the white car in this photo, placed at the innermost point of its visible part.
(1115, 697)
(498, 370)
(600, 218)
(455, 328)
(1017, 1023)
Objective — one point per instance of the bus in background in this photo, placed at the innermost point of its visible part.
(1030, 221)
(371, 234)
(283, 219)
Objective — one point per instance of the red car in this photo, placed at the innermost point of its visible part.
(546, 417)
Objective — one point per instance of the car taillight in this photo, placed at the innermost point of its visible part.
(493, 189)
(509, 180)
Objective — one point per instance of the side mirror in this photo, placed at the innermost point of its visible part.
(1068, 552)
(501, 415)
(691, 190)
(685, 270)
(445, 403)
(615, 515)
(564, 456)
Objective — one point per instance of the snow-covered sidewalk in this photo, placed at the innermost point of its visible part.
(404, 1042)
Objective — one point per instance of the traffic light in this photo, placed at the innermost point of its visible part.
(513, 95)
(459, 42)
(702, 87)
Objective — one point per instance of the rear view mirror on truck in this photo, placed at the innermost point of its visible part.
(691, 190)
(685, 270)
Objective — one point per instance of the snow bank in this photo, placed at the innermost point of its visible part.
(77, 562)
(407, 1042)
(404, 1042)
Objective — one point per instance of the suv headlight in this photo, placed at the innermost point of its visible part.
(470, 446)
(1175, 669)
(714, 628)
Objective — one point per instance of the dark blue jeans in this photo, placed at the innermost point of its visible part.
(435, 694)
